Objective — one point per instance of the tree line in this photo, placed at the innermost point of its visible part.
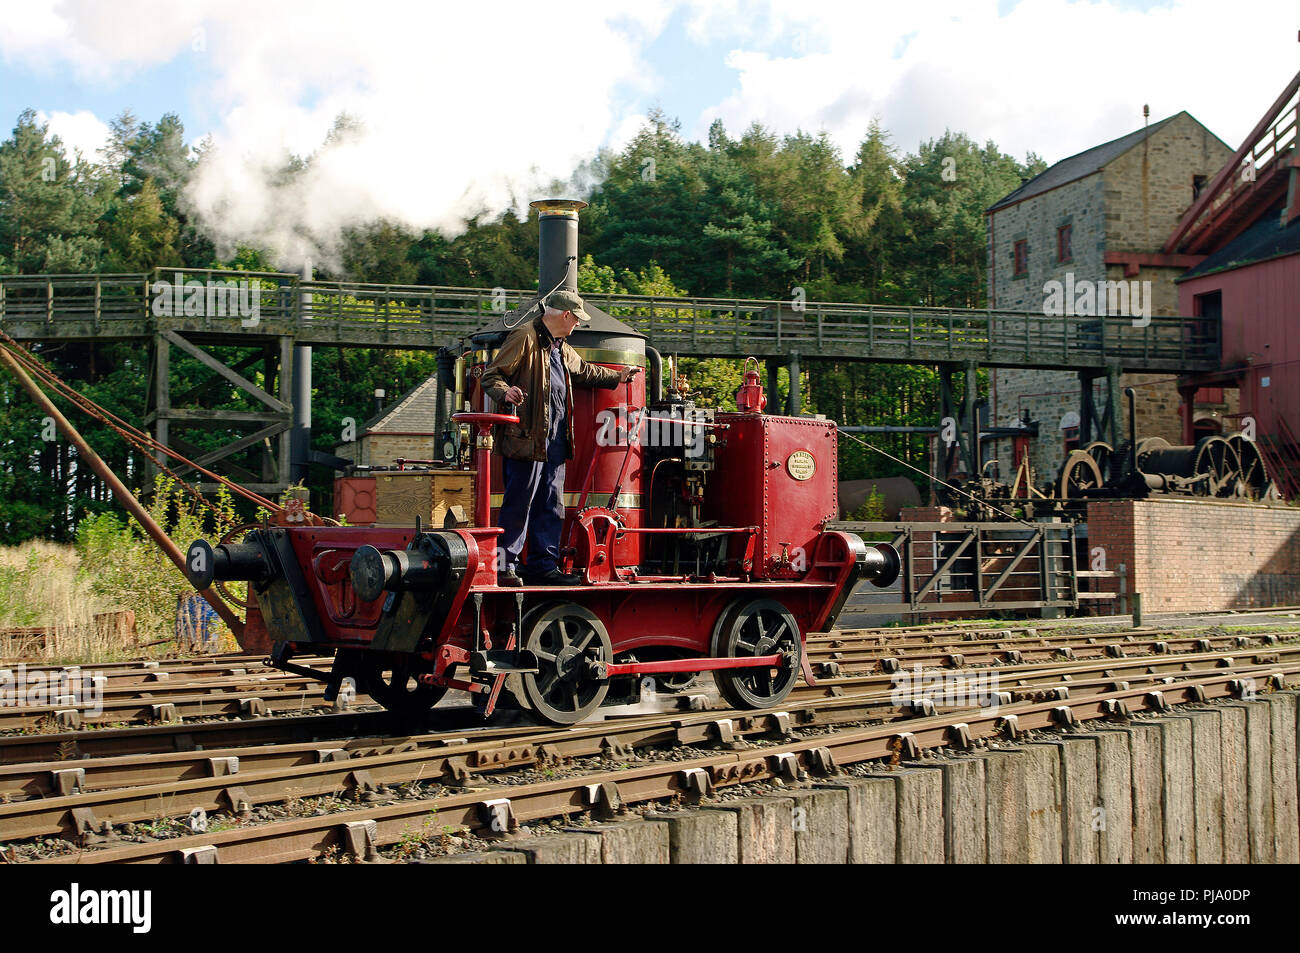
(757, 215)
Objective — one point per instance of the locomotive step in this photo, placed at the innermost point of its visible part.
(503, 662)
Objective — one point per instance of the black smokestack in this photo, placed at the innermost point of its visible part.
(557, 248)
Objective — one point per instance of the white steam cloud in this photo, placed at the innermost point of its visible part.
(457, 109)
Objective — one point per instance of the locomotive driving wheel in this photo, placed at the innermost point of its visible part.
(752, 628)
(566, 638)
(394, 683)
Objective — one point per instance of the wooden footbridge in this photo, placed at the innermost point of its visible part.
(271, 313)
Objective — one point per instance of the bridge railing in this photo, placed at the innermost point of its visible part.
(353, 312)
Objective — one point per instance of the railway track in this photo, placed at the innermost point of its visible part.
(363, 830)
(351, 759)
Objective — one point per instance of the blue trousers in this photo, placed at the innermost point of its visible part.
(532, 510)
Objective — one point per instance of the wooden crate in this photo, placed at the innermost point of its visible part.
(429, 494)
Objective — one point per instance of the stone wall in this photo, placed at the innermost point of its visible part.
(1204, 784)
(1197, 555)
(1149, 187)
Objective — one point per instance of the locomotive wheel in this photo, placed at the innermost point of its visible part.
(565, 637)
(757, 627)
(393, 684)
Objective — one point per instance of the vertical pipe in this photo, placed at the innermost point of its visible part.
(972, 424)
(656, 360)
(301, 440)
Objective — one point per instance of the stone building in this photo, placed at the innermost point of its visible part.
(1099, 216)
(406, 430)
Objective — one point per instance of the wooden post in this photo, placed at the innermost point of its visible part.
(162, 393)
(286, 395)
(1137, 610)
(794, 403)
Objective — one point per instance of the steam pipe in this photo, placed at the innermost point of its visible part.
(656, 374)
(91, 458)
(1131, 394)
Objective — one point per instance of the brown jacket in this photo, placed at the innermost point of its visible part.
(524, 362)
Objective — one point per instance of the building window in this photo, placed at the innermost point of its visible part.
(1022, 258)
(1063, 252)
(1198, 184)
(1070, 435)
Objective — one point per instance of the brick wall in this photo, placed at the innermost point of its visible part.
(1200, 555)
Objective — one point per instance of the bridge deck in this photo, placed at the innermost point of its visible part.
(343, 314)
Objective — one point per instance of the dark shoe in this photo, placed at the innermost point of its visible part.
(509, 580)
(555, 578)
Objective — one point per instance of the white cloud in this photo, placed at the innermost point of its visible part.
(1051, 76)
(81, 131)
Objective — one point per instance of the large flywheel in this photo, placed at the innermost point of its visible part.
(566, 638)
(1253, 481)
(752, 628)
(1217, 459)
(1079, 474)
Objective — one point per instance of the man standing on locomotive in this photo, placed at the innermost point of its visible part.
(536, 370)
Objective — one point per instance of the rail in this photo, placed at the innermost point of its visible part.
(46, 307)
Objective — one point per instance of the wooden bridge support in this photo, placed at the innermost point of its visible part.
(1106, 425)
(964, 450)
(794, 402)
(168, 414)
(773, 382)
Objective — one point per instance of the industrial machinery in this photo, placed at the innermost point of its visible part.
(699, 536)
(1227, 467)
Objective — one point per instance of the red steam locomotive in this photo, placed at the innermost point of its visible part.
(699, 536)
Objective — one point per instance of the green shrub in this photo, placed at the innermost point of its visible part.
(125, 567)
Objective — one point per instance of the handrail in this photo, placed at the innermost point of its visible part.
(688, 324)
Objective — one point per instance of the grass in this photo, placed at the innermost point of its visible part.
(114, 566)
